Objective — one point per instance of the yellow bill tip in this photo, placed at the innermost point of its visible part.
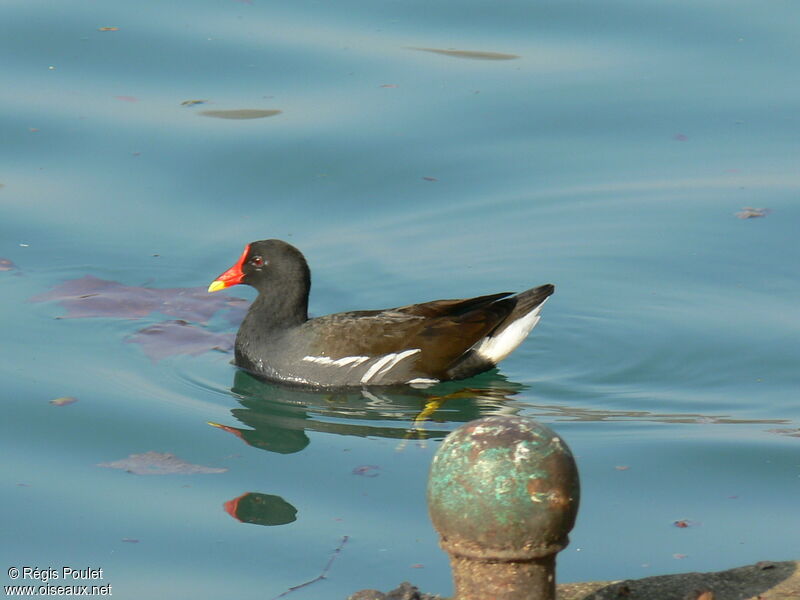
(216, 286)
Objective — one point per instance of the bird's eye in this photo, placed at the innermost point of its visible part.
(257, 261)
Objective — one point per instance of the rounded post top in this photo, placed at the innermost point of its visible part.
(503, 488)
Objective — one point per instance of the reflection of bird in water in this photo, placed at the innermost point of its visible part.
(279, 417)
(419, 344)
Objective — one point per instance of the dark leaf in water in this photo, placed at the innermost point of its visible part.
(680, 137)
(63, 401)
(367, 470)
(241, 113)
(430, 178)
(748, 212)
(261, 509)
(389, 85)
(473, 54)
(193, 102)
(158, 463)
(108, 29)
(7, 265)
(130, 540)
(170, 338)
(93, 297)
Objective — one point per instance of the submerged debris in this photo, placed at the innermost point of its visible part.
(90, 296)
(240, 113)
(63, 401)
(158, 463)
(170, 338)
(7, 265)
(749, 212)
(473, 54)
(367, 470)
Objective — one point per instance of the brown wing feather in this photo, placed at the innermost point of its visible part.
(445, 308)
(443, 330)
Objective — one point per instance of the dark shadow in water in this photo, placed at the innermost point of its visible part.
(278, 417)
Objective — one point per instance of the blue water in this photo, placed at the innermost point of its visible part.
(609, 158)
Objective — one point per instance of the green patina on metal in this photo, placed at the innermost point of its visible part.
(497, 477)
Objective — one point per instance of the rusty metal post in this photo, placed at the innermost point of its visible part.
(503, 494)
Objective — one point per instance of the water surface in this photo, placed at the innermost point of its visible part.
(421, 151)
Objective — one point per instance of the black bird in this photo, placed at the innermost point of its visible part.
(418, 344)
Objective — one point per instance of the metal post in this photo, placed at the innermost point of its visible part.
(503, 494)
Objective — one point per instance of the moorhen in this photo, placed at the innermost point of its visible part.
(419, 344)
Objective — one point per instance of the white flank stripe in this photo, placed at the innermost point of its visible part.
(376, 367)
(386, 363)
(340, 362)
(496, 348)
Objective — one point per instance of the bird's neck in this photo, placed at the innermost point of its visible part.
(278, 309)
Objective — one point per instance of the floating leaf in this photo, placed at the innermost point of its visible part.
(63, 401)
(367, 470)
(127, 98)
(90, 296)
(193, 102)
(472, 54)
(389, 85)
(108, 29)
(261, 509)
(241, 113)
(430, 179)
(180, 337)
(622, 467)
(158, 463)
(130, 540)
(748, 212)
(680, 137)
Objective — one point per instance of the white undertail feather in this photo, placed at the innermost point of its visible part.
(422, 382)
(496, 347)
